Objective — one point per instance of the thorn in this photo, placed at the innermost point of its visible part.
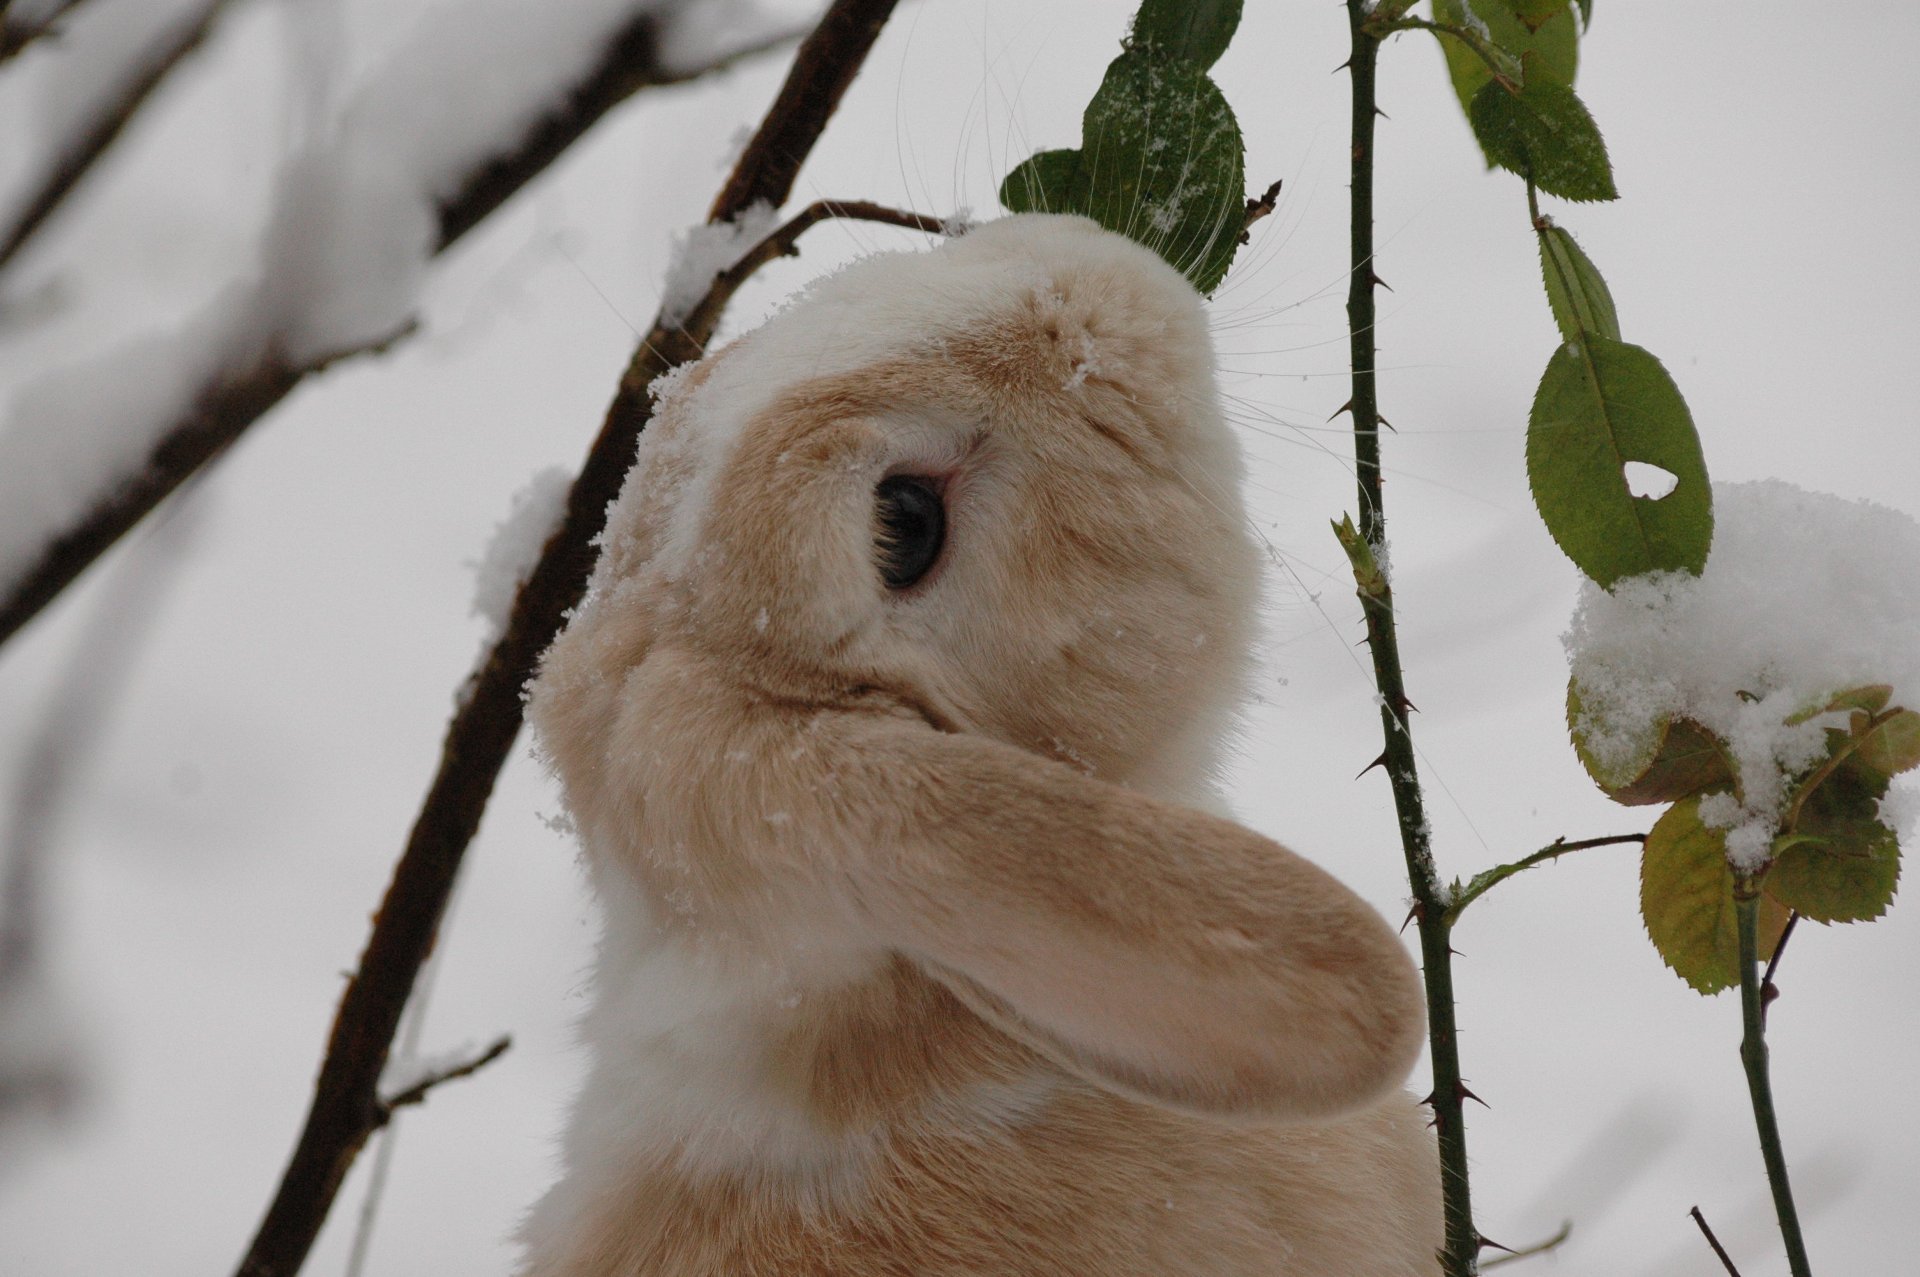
(1343, 66)
(1382, 114)
(1427, 1099)
(1454, 953)
(1466, 1093)
(1404, 705)
(1418, 911)
(1380, 420)
(1487, 1243)
(1373, 278)
(1345, 407)
(1378, 762)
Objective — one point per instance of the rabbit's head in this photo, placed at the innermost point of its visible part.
(990, 481)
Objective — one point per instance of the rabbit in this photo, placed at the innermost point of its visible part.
(888, 728)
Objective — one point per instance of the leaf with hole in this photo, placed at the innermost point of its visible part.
(1581, 302)
(1196, 30)
(1555, 47)
(1544, 134)
(1686, 901)
(1601, 404)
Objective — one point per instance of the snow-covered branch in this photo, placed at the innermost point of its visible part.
(487, 720)
(457, 120)
(155, 58)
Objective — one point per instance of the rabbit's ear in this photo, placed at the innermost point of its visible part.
(1151, 948)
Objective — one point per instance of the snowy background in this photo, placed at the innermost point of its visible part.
(290, 664)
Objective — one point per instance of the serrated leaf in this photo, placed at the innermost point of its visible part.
(1851, 873)
(1197, 30)
(1891, 746)
(1044, 184)
(1686, 899)
(1582, 304)
(1603, 403)
(1163, 164)
(1556, 45)
(1544, 134)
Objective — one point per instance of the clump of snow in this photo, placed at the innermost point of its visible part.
(517, 542)
(701, 252)
(1805, 595)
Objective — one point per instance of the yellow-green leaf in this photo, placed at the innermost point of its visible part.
(1686, 899)
(1851, 872)
(1892, 745)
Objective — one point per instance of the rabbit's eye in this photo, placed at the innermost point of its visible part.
(913, 527)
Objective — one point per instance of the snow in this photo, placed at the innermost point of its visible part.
(1804, 596)
(517, 542)
(404, 1072)
(701, 252)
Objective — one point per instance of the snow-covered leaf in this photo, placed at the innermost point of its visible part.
(1679, 759)
(1544, 134)
(1603, 403)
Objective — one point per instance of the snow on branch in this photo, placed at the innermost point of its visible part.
(487, 718)
(357, 216)
(409, 1083)
(162, 35)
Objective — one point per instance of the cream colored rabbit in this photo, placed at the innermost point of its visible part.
(912, 641)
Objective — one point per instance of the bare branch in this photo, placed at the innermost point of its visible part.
(228, 405)
(345, 1102)
(1718, 1249)
(80, 154)
(16, 35)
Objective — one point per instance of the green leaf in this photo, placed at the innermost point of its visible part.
(1686, 899)
(1044, 184)
(1891, 746)
(1532, 14)
(1196, 30)
(1586, 14)
(1163, 164)
(1544, 134)
(1851, 873)
(1555, 46)
(1160, 160)
(1581, 302)
(1603, 403)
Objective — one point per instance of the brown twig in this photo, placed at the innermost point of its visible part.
(78, 156)
(15, 36)
(1259, 208)
(1713, 1241)
(228, 405)
(345, 1099)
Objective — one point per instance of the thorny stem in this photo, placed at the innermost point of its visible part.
(1753, 1055)
(346, 1106)
(1460, 1255)
(1551, 1244)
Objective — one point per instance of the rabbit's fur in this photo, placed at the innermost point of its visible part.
(919, 959)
